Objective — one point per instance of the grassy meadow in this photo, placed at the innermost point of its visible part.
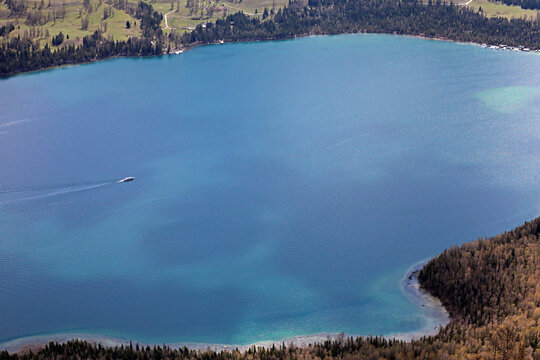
(492, 9)
(68, 16)
(43, 19)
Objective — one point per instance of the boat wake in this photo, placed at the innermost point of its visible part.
(60, 189)
(55, 187)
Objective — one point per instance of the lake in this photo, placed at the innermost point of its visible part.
(281, 188)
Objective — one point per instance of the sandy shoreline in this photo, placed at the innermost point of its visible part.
(435, 315)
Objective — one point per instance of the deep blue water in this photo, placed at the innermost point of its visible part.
(282, 188)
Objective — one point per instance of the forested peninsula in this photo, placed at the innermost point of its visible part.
(316, 17)
(491, 288)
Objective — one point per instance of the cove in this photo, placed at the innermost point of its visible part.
(281, 188)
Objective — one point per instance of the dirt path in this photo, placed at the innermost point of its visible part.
(167, 23)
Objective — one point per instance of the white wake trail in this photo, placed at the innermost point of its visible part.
(62, 191)
(55, 186)
(14, 122)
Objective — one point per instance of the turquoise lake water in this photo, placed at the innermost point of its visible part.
(281, 188)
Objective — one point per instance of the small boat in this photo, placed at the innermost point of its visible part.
(126, 179)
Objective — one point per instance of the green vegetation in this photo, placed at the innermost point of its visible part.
(491, 288)
(499, 9)
(23, 53)
(411, 17)
(35, 34)
(374, 16)
(526, 4)
(42, 19)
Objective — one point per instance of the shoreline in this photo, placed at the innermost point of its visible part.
(435, 315)
(189, 47)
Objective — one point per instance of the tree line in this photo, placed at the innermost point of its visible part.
(6, 29)
(491, 288)
(20, 54)
(411, 17)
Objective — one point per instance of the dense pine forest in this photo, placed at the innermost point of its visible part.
(412, 17)
(375, 16)
(491, 288)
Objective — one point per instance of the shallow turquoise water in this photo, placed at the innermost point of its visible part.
(282, 188)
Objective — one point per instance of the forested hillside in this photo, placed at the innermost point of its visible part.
(491, 288)
(412, 17)
(489, 279)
